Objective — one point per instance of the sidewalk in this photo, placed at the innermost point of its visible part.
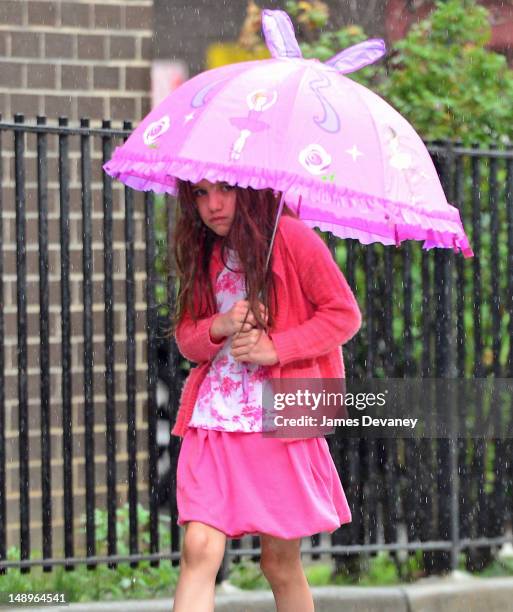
(454, 593)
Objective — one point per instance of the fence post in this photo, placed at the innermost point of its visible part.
(448, 501)
(22, 322)
(3, 478)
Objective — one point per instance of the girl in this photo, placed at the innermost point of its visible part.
(231, 480)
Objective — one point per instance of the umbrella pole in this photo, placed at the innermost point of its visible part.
(278, 214)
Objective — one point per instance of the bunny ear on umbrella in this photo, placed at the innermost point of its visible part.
(281, 41)
(358, 56)
(279, 34)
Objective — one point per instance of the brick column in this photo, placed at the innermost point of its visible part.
(81, 58)
(76, 58)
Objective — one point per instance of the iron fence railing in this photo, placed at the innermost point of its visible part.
(426, 314)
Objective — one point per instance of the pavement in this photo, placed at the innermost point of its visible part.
(456, 592)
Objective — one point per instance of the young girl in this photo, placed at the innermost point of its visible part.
(231, 480)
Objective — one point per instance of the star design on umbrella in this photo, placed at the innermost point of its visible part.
(189, 117)
(354, 152)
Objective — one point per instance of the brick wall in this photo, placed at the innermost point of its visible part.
(74, 59)
(81, 58)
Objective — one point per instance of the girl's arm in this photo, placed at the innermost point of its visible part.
(193, 339)
(337, 316)
(202, 340)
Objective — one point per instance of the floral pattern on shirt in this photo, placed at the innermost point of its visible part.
(220, 403)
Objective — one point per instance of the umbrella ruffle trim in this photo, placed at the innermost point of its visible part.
(367, 231)
(348, 214)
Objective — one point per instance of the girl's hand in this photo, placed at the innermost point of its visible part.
(230, 322)
(254, 346)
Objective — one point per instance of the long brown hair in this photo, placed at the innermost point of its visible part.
(250, 236)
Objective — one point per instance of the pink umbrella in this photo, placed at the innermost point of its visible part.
(340, 154)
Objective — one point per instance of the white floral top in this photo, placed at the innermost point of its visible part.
(222, 402)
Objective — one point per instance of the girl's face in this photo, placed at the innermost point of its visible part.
(216, 205)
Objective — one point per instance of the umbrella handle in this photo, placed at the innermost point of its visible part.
(245, 384)
(245, 381)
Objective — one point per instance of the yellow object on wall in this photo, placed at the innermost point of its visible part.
(220, 54)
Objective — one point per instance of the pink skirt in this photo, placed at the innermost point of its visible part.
(246, 484)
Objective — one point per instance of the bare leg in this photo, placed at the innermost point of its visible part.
(280, 562)
(202, 554)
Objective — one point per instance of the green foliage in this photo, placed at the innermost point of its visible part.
(123, 530)
(313, 14)
(143, 582)
(382, 569)
(247, 575)
(318, 574)
(499, 567)
(102, 583)
(446, 83)
(440, 77)
(99, 584)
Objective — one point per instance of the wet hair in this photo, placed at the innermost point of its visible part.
(250, 236)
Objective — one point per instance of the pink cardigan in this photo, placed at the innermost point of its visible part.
(317, 313)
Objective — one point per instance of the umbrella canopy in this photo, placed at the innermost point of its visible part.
(299, 126)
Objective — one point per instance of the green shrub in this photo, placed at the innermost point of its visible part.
(101, 583)
(440, 76)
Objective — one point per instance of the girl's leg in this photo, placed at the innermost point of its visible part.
(202, 554)
(280, 562)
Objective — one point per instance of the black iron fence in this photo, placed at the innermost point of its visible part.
(426, 314)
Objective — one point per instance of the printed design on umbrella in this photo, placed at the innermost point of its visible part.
(315, 159)
(354, 152)
(261, 100)
(155, 130)
(330, 121)
(403, 160)
(398, 159)
(258, 101)
(200, 96)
